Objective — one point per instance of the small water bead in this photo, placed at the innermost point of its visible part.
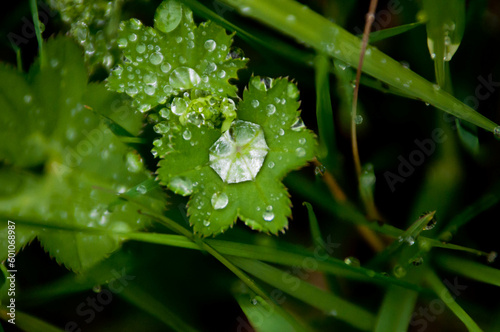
(54, 63)
(298, 125)
(399, 271)
(97, 288)
(496, 132)
(352, 261)
(141, 48)
(292, 91)
(282, 132)
(150, 79)
(181, 185)
(268, 215)
(358, 119)
(186, 135)
(178, 39)
(182, 60)
(221, 74)
(436, 87)
(141, 189)
(219, 200)
(302, 141)
(410, 240)
(156, 58)
(149, 90)
(132, 37)
(27, 99)
(132, 90)
(271, 164)
(300, 152)
(211, 67)
(206, 223)
(122, 43)
(210, 45)
(271, 109)
(255, 103)
(184, 78)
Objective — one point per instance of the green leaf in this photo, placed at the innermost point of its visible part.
(391, 32)
(80, 164)
(396, 310)
(224, 170)
(173, 57)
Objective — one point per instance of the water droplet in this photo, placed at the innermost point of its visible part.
(141, 189)
(206, 223)
(492, 256)
(219, 200)
(268, 215)
(27, 99)
(221, 74)
(132, 90)
(298, 125)
(181, 185)
(399, 271)
(282, 132)
(271, 164)
(496, 132)
(132, 37)
(333, 312)
(291, 18)
(358, 119)
(54, 63)
(300, 152)
(410, 240)
(165, 67)
(254, 301)
(255, 103)
(436, 87)
(431, 224)
(352, 261)
(184, 78)
(156, 58)
(302, 141)
(141, 48)
(271, 109)
(186, 135)
(122, 43)
(178, 39)
(405, 64)
(97, 288)
(210, 45)
(239, 153)
(149, 90)
(168, 16)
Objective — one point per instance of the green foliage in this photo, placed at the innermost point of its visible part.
(62, 165)
(174, 56)
(247, 188)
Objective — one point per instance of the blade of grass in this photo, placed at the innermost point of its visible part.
(440, 289)
(38, 33)
(468, 268)
(27, 322)
(144, 301)
(397, 307)
(391, 32)
(314, 226)
(325, 36)
(326, 302)
(324, 114)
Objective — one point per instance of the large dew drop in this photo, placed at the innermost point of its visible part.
(219, 201)
(184, 78)
(181, 185)
(238, 155)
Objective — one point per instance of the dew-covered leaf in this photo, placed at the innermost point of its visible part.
(174, 56)
(237, 173)
(62, 166)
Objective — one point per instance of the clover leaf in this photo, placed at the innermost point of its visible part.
(237, 173)
(174, 56)
(61, 167)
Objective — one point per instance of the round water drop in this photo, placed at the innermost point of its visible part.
(27, 99)
(141, 48)
(271, 109)
(352, 261)
(211, 67)
(302, 141)
(150, 79)
(132, 37)
(219, 201)
(186, 135)
(268, 214)
(300, 152)
(358, 119)
(97, 289)
(149, 90)
(221, 74)
(496, 131)
(141, 189)
(271, 164)
(184, 78)
(156, 58)
(298, 125)
(168, 16)
(399, 271)
(178, 39)
(210, 45)
(410, 240)
(132, 90)
(206, 223)
(436, 87)
(255, 103)
(282, 132)
(122, 42)
(54, 63)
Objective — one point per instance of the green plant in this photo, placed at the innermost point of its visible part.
(125, 144)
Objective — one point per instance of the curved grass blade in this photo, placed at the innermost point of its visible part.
(325, 36)
(397, 307)
(470, 269)
(391, 32)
